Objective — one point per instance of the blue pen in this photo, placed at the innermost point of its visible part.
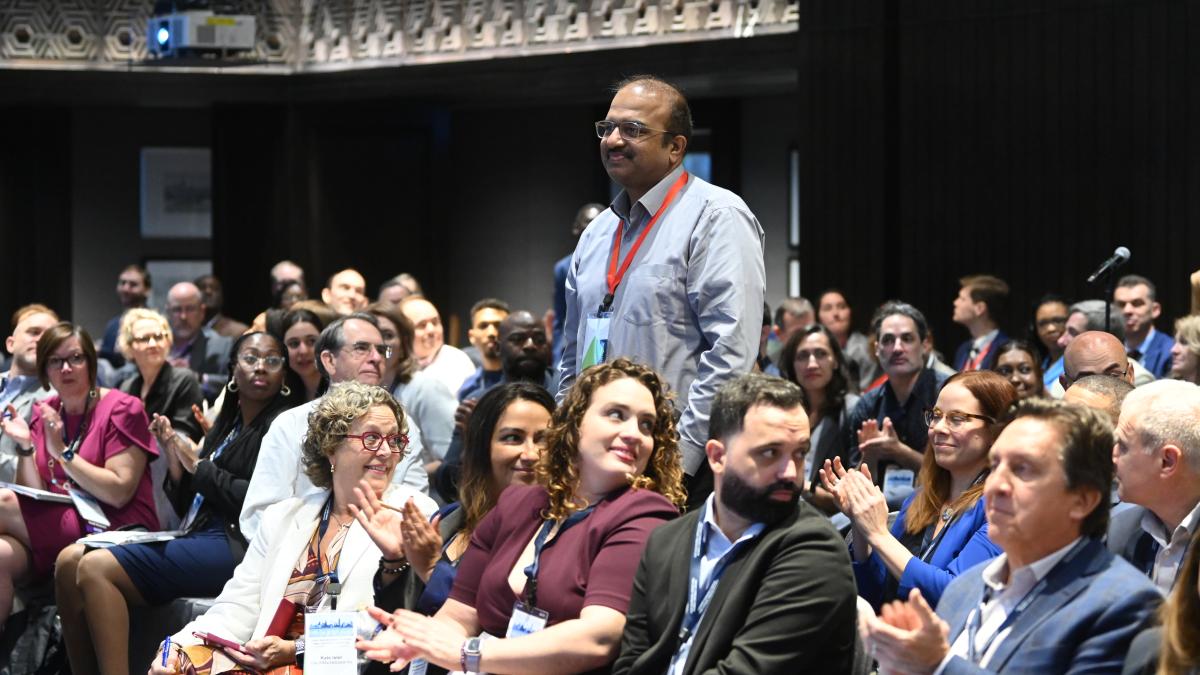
(166, 650)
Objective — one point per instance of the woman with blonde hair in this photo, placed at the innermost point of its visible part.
(1185, 355)
(145, 339)
(550, 566)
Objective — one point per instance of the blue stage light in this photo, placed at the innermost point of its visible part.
(163, 35)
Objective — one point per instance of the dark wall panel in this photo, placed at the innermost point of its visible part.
(1031, 138)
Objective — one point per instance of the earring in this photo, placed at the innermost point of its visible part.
(232, 387)
(285, 390)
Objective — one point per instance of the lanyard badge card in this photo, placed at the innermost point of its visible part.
(595, 339)
(329, 643)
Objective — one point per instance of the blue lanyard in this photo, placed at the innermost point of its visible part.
(540, 543)
(326, 575)
(976, 620)
(700, 595)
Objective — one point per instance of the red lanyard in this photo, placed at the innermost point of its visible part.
(615, 275)
(974, 364)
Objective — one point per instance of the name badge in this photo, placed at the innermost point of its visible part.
(89, 509)
(329, 643)
(595, 340)
(897, 484)
(526, 620)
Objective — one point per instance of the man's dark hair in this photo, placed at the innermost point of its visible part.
(680, 120)
(1086, 454)
(893, 307)
(333, 337)
(584, 216)
(1131, 280)
(489, 303)
(990, 290)
(734, 400)
(145, 273)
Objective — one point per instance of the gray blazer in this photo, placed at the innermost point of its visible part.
(8, 447)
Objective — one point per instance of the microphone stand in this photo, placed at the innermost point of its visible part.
(1109, 278)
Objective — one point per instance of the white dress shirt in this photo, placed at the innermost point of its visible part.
(1008, 590)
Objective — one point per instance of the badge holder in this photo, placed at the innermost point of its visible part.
(329, 638)
(525, 620)
(897, 484)
(595, 335)
(89, 509)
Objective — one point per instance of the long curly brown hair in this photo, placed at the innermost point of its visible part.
(558, 468)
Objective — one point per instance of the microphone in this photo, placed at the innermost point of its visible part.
(1119, 257)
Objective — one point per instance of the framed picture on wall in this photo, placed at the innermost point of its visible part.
(176, 193)
(167, 273)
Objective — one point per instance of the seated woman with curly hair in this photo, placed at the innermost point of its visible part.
(550, 567)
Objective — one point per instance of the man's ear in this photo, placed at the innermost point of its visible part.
(679, 146)
(327, 361)
(715, 450)
(326, 296)
(1172, 459)
(1086, 501)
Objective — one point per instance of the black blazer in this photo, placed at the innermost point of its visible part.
(172, 395)
(785, 604)
(224, 481)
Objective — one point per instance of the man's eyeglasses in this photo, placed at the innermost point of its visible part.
(955, 418)
(271, 364)
(363, 349)
(630, 131)
(372, 440)
(75, 360)
(145, 339)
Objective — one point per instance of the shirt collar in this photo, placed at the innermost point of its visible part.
(650, 202)
(1155, 527)
(985, 338)
(1144, 343)
(714, 530)
(994, 573)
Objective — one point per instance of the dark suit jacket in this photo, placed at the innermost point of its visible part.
(1127, 539)
(964, 352)
(1082, 621)
(785, 604)
(209, 358)
(172, 395)
(1156, 356)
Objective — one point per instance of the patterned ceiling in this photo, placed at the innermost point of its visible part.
(310, 35)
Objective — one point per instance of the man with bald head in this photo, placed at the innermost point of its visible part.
(196, 347)
(346, 292)
(671, 274)
(1095, 353)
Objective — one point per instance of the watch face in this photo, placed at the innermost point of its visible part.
(68, 455)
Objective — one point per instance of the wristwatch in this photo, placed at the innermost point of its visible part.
(299, 651)
(68, 455)
(470, 655)
(25, 452)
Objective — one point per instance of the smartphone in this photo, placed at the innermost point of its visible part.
(219, 641)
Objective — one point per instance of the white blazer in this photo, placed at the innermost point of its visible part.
(246, 605)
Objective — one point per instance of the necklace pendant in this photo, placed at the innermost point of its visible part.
(946, 513)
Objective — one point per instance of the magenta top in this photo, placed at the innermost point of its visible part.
(592, 563)
(118, 421)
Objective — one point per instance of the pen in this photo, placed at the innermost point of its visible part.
(166, 650)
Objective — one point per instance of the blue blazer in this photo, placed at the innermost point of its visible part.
(964, 545)
(1156, 355)
(963, 353)
(1083, 620)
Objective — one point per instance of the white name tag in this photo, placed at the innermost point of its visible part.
(329, 643)
(897, 484)
(89, 509)
(525, 621)
(595, 340)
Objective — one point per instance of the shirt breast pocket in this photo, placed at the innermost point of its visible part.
(654, 296)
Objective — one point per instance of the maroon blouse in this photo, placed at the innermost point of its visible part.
(592, 563)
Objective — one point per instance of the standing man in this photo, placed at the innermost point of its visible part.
(756, 581)
(350, 348)
(196, 347)
(20, 388)
(980, 298)
(133, 290)
(345, 292)
(1056, 600)
(1157, 460)
(1136, 298)
(672, 274)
